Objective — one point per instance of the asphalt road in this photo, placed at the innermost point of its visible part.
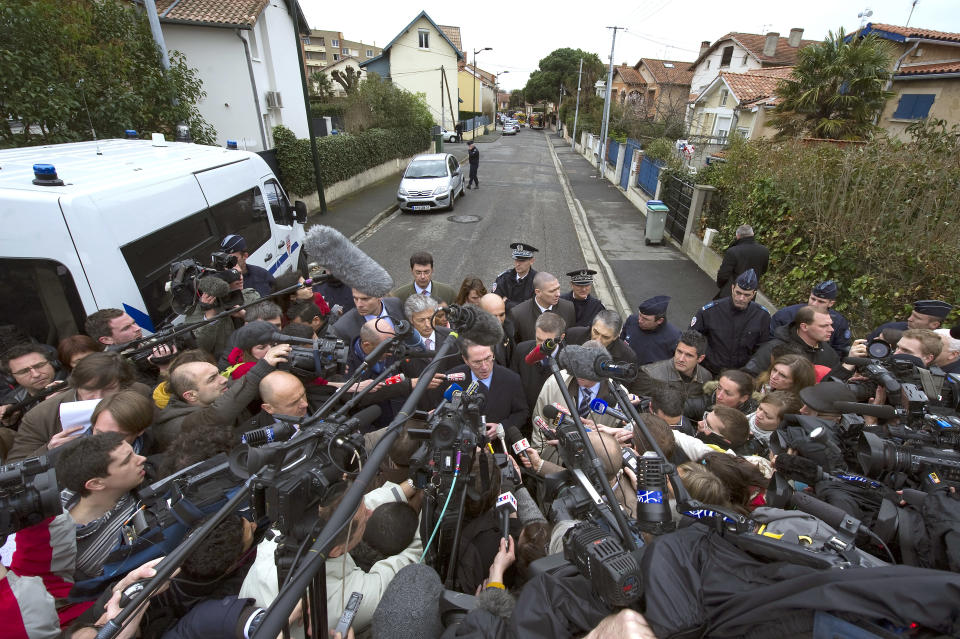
(519, 200)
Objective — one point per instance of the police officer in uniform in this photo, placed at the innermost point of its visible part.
(515, 285)
(926, 314)
(586, 305)
(822, 297)
(649, 333)
(734, 326)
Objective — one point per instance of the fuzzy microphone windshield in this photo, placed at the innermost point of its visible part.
(346, 262)
(579, 360)
(475, 324)
(213, 286)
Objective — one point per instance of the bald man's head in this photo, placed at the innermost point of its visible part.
(493, 304)
(373, 332)
(283, 393)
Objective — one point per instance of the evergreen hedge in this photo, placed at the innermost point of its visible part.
(882, 218)
(342, 156)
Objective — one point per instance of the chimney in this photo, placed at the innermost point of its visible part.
(703, 47)
(770, 45)
(795, 36)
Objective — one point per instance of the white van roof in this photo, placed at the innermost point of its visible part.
(93, 166)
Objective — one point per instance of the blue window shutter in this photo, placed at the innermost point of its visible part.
(921, 108)
(914, 106)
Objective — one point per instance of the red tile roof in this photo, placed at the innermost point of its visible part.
(784, 55)
(629, 75)
(680, 73)
(913, 32)
(930, 69)
(225, 12)
(453, 33)
(751, 88)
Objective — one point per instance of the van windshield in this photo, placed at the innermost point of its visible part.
(427, 169)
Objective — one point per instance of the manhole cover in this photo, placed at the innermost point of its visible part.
(464, 219)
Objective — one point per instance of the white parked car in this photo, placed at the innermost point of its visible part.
(431, 181)
(449, 136)
(510, 127)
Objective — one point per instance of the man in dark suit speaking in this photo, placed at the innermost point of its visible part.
(502, 388)
(546, 297)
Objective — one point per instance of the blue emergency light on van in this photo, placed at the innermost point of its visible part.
(46, 175)
(232, 144)
(130, 134)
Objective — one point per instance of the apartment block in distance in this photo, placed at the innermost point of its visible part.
(322, 49)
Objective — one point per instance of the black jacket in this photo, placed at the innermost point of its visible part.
(822, 355)
(743, 255)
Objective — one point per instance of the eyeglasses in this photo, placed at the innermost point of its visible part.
(36, 368)
(707, 427)
(481, 362)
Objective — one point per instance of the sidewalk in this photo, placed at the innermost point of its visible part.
(642, 271)
(368, 206)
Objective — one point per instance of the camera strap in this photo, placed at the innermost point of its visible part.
(932, 386)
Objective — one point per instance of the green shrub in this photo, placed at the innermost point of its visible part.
(879, 217)
(328, 109)
(661, 149)
(342, 156)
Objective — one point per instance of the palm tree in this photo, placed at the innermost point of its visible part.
(836, 90)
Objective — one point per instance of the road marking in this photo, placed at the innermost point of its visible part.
(608, 288)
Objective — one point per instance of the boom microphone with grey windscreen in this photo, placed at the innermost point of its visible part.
(580, 361)
(346, 262)
(475, 324)
(213, 286)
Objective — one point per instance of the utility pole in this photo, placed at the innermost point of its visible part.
(606, 105)
(473, 132)
(315, 155)
(558, 110)
(442, 122)
(576, 113)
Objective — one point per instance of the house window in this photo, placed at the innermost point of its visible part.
(744, 62)
(306, 40)
(424, 38)
(724, 94)
(708, 64)
(668, 65)
(722, 128)
(727, 56)
(369, 53)
(345, 51)
(336, 56)
(321, 43)
(322, 55)
(741, 131)
(335, 43)
(254, 43)
(914, 106)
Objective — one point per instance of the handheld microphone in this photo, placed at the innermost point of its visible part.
(555, 415)
(456, 377)
(501, 437)
(452, 390)
(346, 262)
(472, 388)
(335, 313)
(600, 407)
(541, 352)
(394, 379)
(579, 361)
(653, 505)
(278, 432)
(411, 336)
(519, 443)
(506, 505)
(604, 366)
(880, 411)
(545, 430)
(629, 460)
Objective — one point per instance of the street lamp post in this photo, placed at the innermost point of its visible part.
(473, 131)
(496, 96)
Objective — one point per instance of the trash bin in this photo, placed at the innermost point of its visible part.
(656, 221)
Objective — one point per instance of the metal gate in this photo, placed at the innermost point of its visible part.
(648, 175)
(628, 148)
(677, 195)
(613, 148)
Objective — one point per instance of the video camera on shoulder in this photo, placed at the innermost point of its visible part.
(28, 494)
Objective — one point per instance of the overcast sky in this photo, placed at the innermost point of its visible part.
(521, 33)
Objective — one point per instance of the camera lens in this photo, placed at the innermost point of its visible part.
(878, 349)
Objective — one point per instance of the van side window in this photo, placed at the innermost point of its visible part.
(244, 214)
(42, 299)
(279, 204)
(149, 258)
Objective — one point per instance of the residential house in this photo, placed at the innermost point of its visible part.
(246, 54)
(467, 79)
(736, 102)
(324, 48)
(743, 52)
(421, 59)
(341, 65)
(926, 76)
(627, 83)
(666, 87)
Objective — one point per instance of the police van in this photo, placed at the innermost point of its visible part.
(93, 225)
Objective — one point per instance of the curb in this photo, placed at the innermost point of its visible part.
(609, 288)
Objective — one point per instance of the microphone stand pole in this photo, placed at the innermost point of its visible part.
(316, 558)
(595, 464)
